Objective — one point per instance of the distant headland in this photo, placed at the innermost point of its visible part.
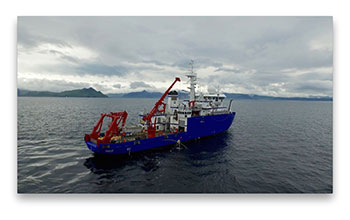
(91, 92)
(85, 92)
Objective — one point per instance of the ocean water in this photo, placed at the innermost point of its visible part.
(271, 147)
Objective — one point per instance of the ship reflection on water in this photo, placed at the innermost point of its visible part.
(199, 149)
(173, 168)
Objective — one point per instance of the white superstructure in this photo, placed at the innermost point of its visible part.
(177, 112)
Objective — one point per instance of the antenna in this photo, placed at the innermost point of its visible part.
(191, 65)
(191, 72)
(193, 78)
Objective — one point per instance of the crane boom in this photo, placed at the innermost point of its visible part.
(148, 118)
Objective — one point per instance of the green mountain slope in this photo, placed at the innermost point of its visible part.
(90, 92)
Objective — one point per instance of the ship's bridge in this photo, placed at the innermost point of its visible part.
(214, 97)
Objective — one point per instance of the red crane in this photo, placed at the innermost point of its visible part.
(151, 129)
(113, 129)
(120, 117)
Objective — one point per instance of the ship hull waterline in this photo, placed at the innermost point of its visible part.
(197, 127)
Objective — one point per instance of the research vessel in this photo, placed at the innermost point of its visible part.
(171, 122)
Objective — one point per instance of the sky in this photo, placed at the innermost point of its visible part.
(276, 56)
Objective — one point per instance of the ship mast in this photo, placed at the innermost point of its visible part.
(193, 82)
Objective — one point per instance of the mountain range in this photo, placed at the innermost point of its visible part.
(85, 92)
(236, 96)
(91, 92)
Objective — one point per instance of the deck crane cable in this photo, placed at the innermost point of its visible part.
(151, 129)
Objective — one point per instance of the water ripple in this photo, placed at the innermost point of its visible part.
(273, 146)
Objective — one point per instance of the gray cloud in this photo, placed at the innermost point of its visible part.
(30, 40)
(63, 56)
(313, 86)
(50, 85)
(117, 86)
(233, 70)
(102, 69)
(241, 54)
(136, 85)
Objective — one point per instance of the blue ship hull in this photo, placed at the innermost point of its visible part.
(199, 126)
